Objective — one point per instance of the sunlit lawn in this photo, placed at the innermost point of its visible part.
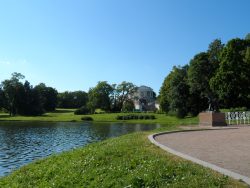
(68, 115)
(126, 161)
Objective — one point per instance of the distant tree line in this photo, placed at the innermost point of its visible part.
(220, 76)
(17, 97)
(24, 99)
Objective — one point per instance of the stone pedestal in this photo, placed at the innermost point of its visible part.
(212, 119)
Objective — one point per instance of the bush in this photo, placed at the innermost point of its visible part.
(82, 111)
(152, 117)
(135, 116)
(239, 109)
(87, 118)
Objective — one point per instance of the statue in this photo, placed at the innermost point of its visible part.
(212, 104)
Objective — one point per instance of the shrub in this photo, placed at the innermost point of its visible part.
(140, 117)
(82, 111)
(238, 109)
(119, 117)
(135, 116)
(87, 118)
(152, 117)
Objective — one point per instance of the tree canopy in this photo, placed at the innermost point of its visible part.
(21, 98)
(219, 75)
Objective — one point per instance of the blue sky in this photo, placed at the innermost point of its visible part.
(73, 44)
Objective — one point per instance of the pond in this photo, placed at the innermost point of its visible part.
(24, 142)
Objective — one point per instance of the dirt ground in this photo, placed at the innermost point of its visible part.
(228, 148)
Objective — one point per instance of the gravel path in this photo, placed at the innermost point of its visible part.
(226, 148)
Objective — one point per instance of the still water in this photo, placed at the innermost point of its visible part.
(24, 142)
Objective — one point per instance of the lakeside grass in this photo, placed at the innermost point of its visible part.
(126, 161)
(67, 115)
(130, 160)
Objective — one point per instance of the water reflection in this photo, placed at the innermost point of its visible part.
(23, 142)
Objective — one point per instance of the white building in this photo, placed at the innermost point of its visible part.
(144, 99)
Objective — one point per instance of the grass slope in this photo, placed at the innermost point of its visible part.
(126, 161)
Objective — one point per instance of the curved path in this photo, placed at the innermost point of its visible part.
(226, 150)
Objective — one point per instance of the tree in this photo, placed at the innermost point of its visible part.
(231, 81)
(99, 96)
(175, 91)
(48, 96)
(128, 106)
(121, 94)
(1, 98)
(164, 97)
(214, 50)
(199, 74)
(30, 103)
(74, 99)
(11, 88)
(247, 36)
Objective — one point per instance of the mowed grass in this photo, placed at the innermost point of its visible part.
(126, 161)
(67, 115)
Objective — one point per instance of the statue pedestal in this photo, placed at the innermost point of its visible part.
(212, 119)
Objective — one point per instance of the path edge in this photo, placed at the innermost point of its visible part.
(195, 160)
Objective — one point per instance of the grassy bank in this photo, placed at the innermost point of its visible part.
(68, 115)
(129, 160)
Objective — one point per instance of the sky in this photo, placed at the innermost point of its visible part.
(72, 44)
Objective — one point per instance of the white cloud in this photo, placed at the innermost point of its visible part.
(14, 62)
(4, 62)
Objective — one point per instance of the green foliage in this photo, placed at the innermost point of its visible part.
(74, 99)
(174, 93)
(99, 96)
(120, 98)
(135, 116)
(11, 89)
(127, 161)
(219, 76)
(48, 96)
(87, 118)
(199, 73)
(128, 106)
(82, 111)
(231, 80)
(21, 98)
(247, 36)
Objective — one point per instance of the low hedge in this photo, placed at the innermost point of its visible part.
(87, 118)
(82, 111)
(135, 116)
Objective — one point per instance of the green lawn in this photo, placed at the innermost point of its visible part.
(68, 115)
(129, 160)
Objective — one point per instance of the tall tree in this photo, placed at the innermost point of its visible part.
(99, 96)
(121, 94)
(1, 97)
(214, 50)
(175, 91)
(199, 73)
(11, 88)
(231, 81)
(164, 97)
(48, 96)
(247, 36)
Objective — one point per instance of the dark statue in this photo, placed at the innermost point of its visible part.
(212, 104)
